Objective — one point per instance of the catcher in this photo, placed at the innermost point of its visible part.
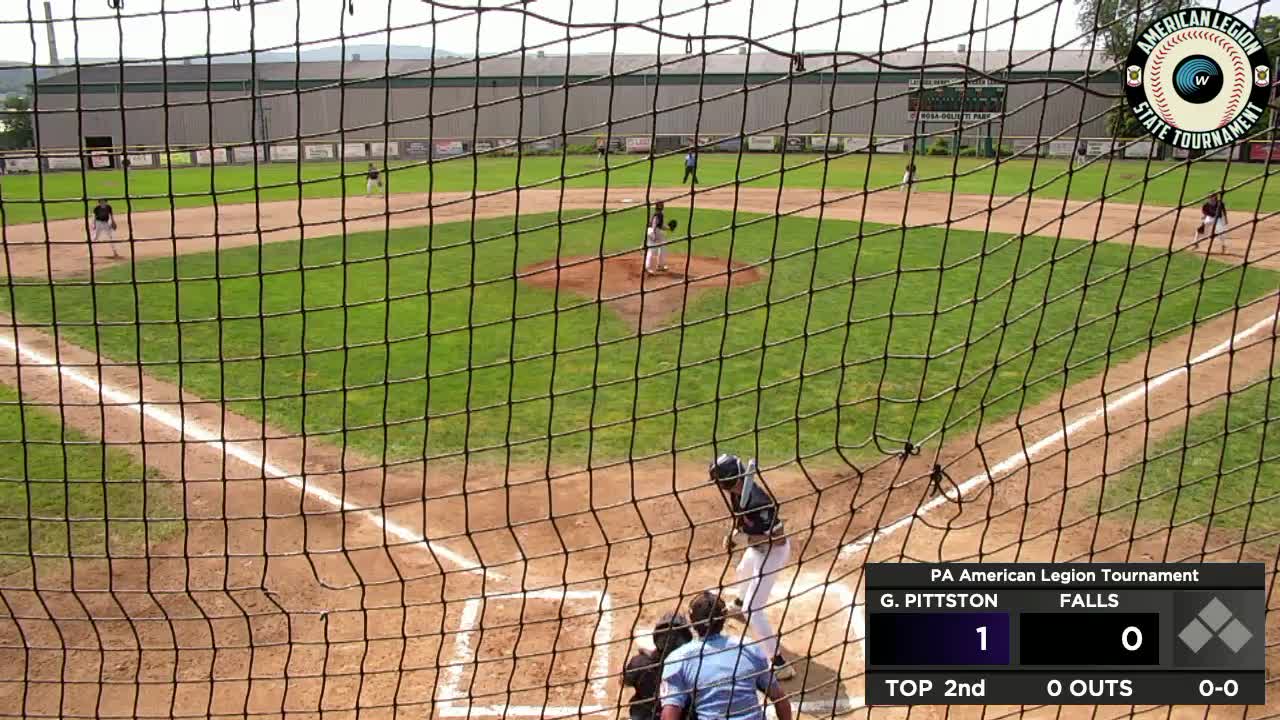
(644, 669)
(767, 550)
(655, 241)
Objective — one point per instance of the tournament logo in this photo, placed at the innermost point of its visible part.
(1197, 79)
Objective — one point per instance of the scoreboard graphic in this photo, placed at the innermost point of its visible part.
(1065, 634)
(955, 100)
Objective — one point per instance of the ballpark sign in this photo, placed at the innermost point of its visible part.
(1197, 79)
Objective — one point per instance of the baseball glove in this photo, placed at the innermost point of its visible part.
(671, 226)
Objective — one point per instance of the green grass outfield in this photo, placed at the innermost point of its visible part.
(59, 492)
(1223, 472)
(844, 361)
(63, 193)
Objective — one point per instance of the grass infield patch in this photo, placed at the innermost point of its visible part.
(861, 336)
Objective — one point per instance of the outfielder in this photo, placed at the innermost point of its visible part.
(767, 550)
(104, 225)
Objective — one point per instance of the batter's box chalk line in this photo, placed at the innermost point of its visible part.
(451, 699)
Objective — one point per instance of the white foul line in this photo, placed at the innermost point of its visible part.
(196, 432)
(1015, 461)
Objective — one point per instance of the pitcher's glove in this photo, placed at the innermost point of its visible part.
(671, 226)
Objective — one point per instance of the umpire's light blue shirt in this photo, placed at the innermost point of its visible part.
(723, 675)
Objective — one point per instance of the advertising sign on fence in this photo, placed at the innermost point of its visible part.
(1262, 151)
(378, 149)
(353, 150)
(137, 160)
(761, 143)
(217, 155)
(896, 145)
(448, 148)
(1062, 148)
(856, 143)
(63, 162)
(639, 144)
(284, 152)
(177, 158)
(1096, 148)
(99, 159)
(1223, 153)
(417, 148)
(729, 144)
(319, 152)
(795, 144)
(824, 142)
(25, 163)
(1138, 149)
(543, 146)
(244, 154)
(483, 146)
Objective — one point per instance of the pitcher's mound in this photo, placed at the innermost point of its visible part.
(645, 301)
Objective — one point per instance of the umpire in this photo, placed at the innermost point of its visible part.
(717, 677)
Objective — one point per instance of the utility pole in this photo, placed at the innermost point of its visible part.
(53, 41)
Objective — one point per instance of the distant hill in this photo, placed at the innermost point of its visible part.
(370, 51)
(15, 78)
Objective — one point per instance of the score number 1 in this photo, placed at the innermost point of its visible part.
(982, 638)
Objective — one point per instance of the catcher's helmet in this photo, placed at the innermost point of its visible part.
(671, 631)
(727, 469)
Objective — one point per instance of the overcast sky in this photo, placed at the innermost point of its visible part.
(861, 25)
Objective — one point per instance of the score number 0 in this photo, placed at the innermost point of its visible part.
(1130, 638)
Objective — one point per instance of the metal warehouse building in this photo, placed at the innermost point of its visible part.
(555, 98)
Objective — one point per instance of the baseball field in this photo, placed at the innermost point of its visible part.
(300, 451)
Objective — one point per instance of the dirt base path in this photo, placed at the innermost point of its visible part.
(304, 581)
(61, 247)
(315, 589)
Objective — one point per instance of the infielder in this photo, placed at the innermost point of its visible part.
(104, 225)
(767, 550)
(373, 181)
(1213, 223)
(655, 242)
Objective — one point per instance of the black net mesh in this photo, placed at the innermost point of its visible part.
(380, 383)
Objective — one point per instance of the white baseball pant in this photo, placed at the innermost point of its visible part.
(655, 252)
(102, 231)
(757, 571)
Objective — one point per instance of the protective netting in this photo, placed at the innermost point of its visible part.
(379, 413)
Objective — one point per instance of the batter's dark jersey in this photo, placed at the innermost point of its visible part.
(759, 514)
(373, 174)
(102, 213)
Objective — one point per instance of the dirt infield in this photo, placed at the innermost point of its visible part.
(645, 301)
(61, 247)
(312, 579)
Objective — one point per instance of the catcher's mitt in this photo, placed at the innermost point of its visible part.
(671, 225)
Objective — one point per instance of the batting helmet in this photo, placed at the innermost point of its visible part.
(727, 469)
